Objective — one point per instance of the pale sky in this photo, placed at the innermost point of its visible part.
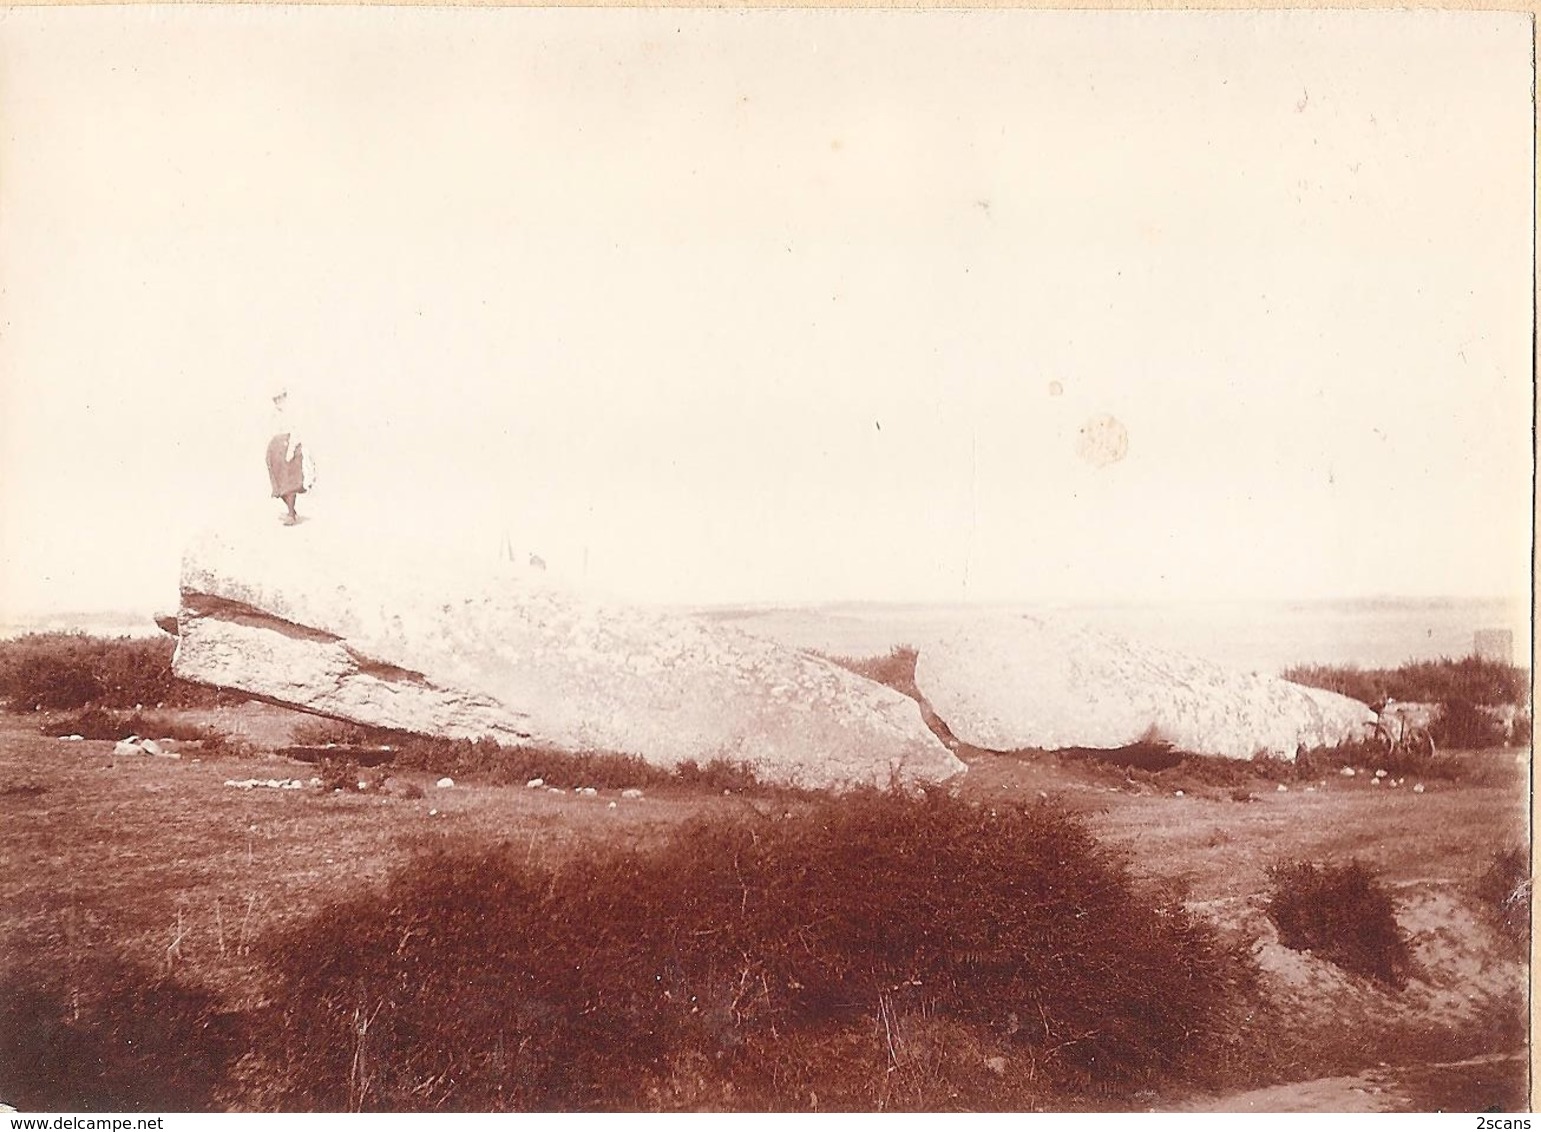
(775, 306)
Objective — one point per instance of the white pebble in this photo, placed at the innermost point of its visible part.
(1310, 790)
(1374, 782)
(1347, 772)
(1380, 774)
(1177, 793)
(1282, 789)
(632, 793)
(1418, 789)
(555, 790)
(73, 738)
(433, 813)
(612, 805)
(536, 783)
(363, 785)
(445, 783)
(587, 791)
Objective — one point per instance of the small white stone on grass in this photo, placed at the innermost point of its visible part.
(433, 813)
(1175, 793)
(445, 783)
(73, 738)
(1380, 774)
(631, 793)
(1347, 772)
(612, 805)
(586, 791)
(1282, 789)
(535, 783)
(1418, 789)
(1310, 790)
(555, 790)
(1374, 782)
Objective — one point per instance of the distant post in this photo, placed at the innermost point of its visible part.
(1494, 644)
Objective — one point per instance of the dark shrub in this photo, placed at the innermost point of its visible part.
(88, 723)
(499, 765)
(488, 980)
(119, 1038)
(1471, 678)
(1342, 913)
(1462, 724)
(69, 670)
(1504, 890)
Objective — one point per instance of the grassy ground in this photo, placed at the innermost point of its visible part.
(159, 864)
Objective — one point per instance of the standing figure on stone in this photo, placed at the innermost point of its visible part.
(289, 467)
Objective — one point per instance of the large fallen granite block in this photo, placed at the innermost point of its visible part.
(335, 623)
(1033, 682)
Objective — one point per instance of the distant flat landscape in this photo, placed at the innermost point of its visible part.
(1263, 637)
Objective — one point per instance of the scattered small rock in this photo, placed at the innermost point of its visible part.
(266, 783)
(612, 805)
(445, 783)
(1418, 789)
(631, 793)
(1310, 790)
(73, 738)
(1282, 789)
(555, 790)
(1374, 782)
(586, 791)
(433, 813)
(1380, 774)
(535, 783)
(1347, 772)
(129, 746)
(151, 747)
(1175, 793)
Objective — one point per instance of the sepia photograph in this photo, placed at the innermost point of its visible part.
(675, 560)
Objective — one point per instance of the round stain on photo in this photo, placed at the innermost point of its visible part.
(1103, 440)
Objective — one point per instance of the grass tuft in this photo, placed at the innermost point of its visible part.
(1342, 913)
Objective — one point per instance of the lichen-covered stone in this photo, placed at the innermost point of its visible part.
(356, 628)
(1033, 682)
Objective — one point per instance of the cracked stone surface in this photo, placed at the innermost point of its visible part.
(329, 622)
(1032, 682)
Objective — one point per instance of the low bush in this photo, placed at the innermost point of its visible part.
(498, 765)
(748, 950)
(113, 1037)
(99, 723)
(1464, 725)
(71, 670)
(1504, 891)
(1342, 913)
(1472, 679)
